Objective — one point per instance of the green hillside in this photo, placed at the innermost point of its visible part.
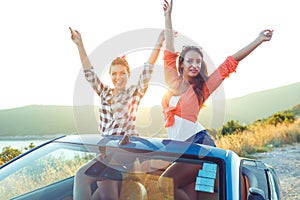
(258, 105)
(296, 110)
(246, 109)
(45, 120)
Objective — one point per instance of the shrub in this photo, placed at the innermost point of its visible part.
(260, 138)
(231, 127)
(9, 153)
(281, 118)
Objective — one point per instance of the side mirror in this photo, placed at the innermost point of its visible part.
(256, 194)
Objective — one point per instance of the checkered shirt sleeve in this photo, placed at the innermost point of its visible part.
(138, 91)
(145, 78)
(97, 85)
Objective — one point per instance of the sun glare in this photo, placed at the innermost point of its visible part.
(153, 96)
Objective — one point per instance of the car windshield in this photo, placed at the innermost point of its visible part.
(49, 164)
(52, 168)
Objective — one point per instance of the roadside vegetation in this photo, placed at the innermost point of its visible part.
(9, 153)
(260, 136)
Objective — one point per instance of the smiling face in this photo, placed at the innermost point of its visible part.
(119, 76)
(191, 64)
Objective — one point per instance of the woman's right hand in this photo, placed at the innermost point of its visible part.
(75, 36)
(168, 7)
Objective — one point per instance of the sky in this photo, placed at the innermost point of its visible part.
(40, 64)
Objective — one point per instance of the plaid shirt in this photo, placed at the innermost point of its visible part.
(118, 117)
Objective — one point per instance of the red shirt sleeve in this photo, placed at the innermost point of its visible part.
(217, 77)
(172, 78)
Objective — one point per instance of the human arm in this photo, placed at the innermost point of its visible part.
(175, 82)
(230, 64)
(148, 66)
(263, 36)
(82, 182)
(169, 33)
(77, 39)
(90, 75)
(155, 52)
(217, 77)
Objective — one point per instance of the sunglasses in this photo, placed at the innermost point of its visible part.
(191, 47)
(191, 61)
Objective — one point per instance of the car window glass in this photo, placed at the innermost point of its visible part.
(47, 169)
(134, 169)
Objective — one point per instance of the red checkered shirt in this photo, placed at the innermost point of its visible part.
(119, 117)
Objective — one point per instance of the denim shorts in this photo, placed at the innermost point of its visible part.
(202, 137)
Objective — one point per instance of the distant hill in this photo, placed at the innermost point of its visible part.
(258, 105)
(245, 109)
(43, 120)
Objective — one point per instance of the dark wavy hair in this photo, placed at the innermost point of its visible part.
(120, 61)
(201, 78)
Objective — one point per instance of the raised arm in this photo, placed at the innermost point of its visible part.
(90, 75)
(76, 37)
(263, 36)
(153, 57)
(230, 64)
(148, 68)
(173, 80)
(169, 33)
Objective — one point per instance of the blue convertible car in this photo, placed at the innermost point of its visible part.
(47, 171)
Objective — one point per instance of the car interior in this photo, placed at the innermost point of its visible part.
(254, 177)
(141, 173)
(139, 177)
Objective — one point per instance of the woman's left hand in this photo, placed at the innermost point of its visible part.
(266, 35)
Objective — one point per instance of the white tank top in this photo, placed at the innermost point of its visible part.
(182, 129)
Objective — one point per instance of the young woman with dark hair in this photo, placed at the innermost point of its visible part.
(189, 87)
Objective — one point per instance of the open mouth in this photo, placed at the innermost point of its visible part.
(118, 83)
(194, 70)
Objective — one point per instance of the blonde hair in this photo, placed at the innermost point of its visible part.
(120, 61)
